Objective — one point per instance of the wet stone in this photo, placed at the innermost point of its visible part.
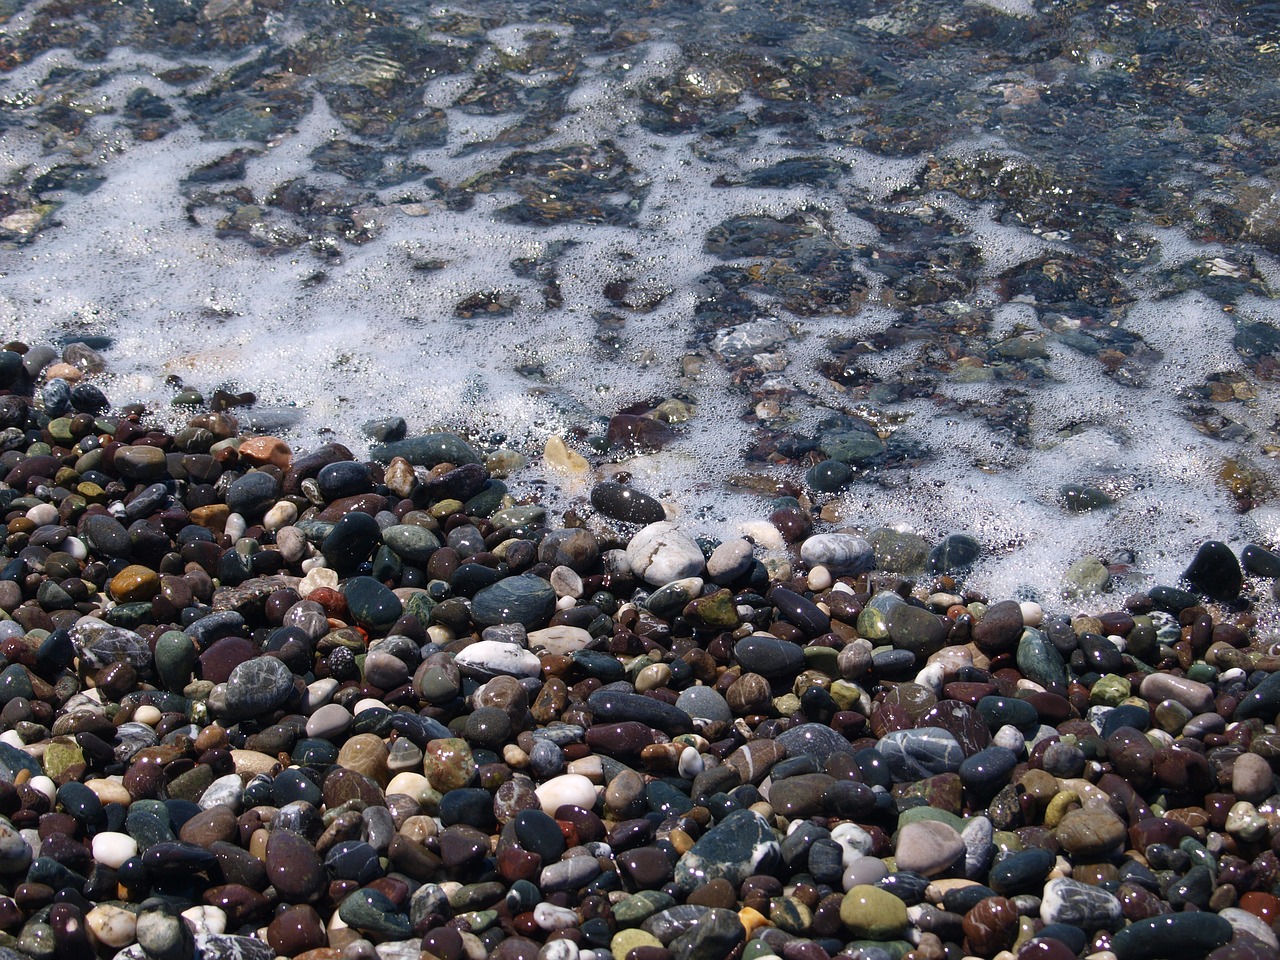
(1215, 571)
(257, 687)
(620, 502)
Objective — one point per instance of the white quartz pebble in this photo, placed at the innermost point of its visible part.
(568, 788)
(113, 849)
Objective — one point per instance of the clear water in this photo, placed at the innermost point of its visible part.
(1024, 244)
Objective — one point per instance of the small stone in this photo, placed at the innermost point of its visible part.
(928, 847)
(873, 914)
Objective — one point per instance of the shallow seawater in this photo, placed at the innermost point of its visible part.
(981, 251)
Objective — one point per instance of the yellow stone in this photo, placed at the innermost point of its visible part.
(365, 753)
(109, 791)
(752, 919)
(212, 517)
(624, 941)
(557, 455)
(873, 913)
(134, 583)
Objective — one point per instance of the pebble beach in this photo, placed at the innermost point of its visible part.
(262, 702)
(690, 480)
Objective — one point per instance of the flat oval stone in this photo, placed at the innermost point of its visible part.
(1173, 935)
(428, 450)
(619, 706)
(257, 687)
(928, 847)
(800, 611)
(662, 552)
(494, 658)
(620, 502)
(526, 599)
(1079, 905)
(918, 754)
(841, 553)
(98, 644)
(371, 603)
(768, 656)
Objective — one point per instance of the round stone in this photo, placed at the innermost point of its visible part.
(661, 552)
(873, 914)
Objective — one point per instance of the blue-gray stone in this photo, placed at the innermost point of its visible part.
(14, 682)
(956, 552)
(253, 493)
(988, 770)
(428, 450)
(815, 740)
(215, 626)
(917, 754)
(411, 542)
(1260, 561)
(106, 534)
(98, 644)
(257, 687)
(1263, 701)
(738, 846)
(1022, 872)
(704, 703)
(371, 603)
(769, 656)
(349, 544)
(344, 478)
(527, 599)
(1182, 935)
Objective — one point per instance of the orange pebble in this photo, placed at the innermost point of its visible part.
(259, 451)
(63, 371)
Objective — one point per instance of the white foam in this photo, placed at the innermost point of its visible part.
(373, 331)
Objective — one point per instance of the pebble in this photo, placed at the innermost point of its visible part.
(331, 710)
(661, 552)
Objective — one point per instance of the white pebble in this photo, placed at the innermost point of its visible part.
(566, 603)
(281, 515)
(236, 526)
(1032, 613)
(113, 849)
(368, 703)
(1011, 738)
(112, 926)
(12, 739)
(43, 514)
(147, 714)
(568, 788)
(566, 582)
(206, 920)
(819, 578)
(559, 950)
(75, 547)
(763, 534)
(310, 566)
(45, 786)
(691, 763)
(550, 917)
